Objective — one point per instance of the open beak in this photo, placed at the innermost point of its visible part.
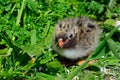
(61, 42)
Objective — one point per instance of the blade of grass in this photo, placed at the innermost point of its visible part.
(113, 47)
(28, 67)
(50, 77)
(33, 37)
(20, 13)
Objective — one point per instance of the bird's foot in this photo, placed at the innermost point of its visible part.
(80, 62)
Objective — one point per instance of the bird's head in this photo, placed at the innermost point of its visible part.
(66, 34)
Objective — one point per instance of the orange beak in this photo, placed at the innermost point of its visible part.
(61, 43)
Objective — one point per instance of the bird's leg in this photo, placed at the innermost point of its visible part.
(80, 62)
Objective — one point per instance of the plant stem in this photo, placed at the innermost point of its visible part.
(13, 9)
(20, 13)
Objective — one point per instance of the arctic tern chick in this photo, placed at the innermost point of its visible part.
(76, 37)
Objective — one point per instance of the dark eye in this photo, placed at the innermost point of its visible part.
(91, 26)
(71, 35)
(60, 25)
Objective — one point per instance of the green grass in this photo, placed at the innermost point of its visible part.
(26, 31)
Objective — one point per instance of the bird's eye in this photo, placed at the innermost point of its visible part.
(60, 25)
(71, 35)
(91, 25)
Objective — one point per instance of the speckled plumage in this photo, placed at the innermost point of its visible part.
(82, 34)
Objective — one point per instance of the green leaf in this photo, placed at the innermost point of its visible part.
(110, 22)
(48, 39)
(36, 49)
(32, 5)
(3, 51)
(28, 66)
(54, 64)
(114, 47)
(8, 7)
(46, 76)
(47, 58)
(33, 37)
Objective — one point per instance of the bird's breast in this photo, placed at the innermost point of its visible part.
(75, 53)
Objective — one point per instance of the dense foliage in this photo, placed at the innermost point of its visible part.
(26, 28)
